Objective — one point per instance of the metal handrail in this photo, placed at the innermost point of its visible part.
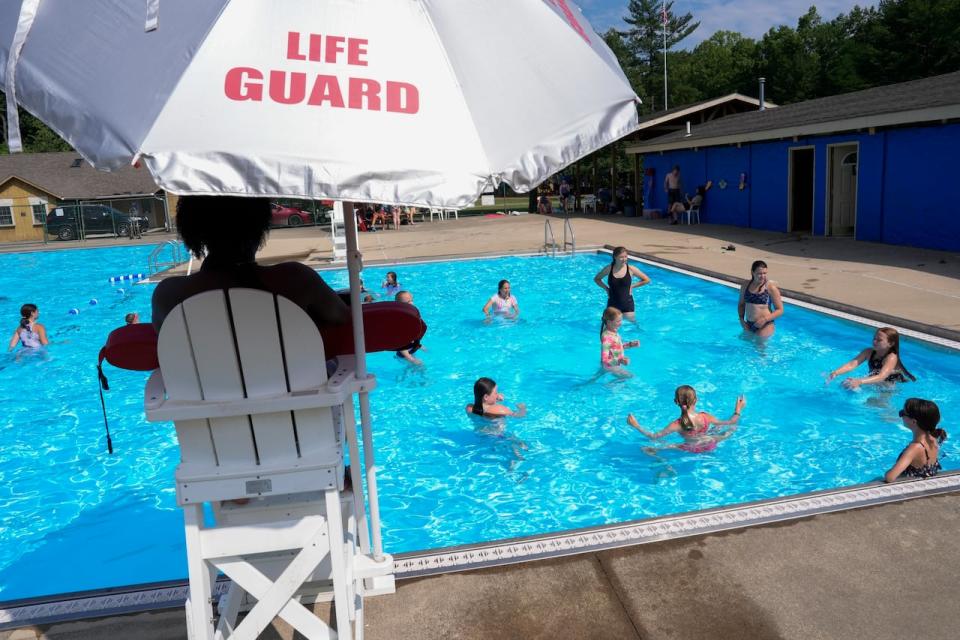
(573, 238)
(549, 241)
(154, 264)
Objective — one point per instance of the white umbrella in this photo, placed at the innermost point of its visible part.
(418, 102)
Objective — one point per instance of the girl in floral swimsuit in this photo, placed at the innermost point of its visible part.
(920, 458)
(612, 357)
(692, 425)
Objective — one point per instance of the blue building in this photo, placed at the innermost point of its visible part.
(878, 164)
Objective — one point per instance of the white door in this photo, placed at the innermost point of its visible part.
(843, 196)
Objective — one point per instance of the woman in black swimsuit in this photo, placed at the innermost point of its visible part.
(883, 358)
(757, 296)
(620, 285)
(920, 458)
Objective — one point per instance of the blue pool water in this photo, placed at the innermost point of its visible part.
(72, 517)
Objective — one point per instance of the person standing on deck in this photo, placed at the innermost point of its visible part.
(673, 186)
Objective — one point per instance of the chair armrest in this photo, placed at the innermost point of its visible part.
(155, 392)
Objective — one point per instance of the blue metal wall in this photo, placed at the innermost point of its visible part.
(904, 184)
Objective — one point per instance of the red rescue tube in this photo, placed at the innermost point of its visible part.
(387, 326)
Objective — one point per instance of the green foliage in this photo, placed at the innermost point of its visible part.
(643, 45)
(899, 40)
(37, 137)
(723, 63)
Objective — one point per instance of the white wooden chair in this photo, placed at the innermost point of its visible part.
(243, 376)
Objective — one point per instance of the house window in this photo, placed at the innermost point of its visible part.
(38, 206)
(6, 213)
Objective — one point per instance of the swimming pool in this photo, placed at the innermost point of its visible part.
(74, 518)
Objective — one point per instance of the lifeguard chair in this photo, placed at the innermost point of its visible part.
(262, 431)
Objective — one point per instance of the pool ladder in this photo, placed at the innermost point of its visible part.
(155, 263)
(550, 242)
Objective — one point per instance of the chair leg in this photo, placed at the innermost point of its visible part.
(341, 600)
(200, 609)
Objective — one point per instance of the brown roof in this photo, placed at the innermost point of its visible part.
(927, 100)
(55, 174)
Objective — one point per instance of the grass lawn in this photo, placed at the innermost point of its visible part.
(510, 203)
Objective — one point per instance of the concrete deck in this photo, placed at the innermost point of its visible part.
(883, 572)
(914, 284)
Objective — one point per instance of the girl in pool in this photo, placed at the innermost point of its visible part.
(620, 283)
(30, 333)
(692, 425)
(502, 303)
(612, 347)
(390, 286)
(920, 458)
(884, 361)
(486, 401)
(757, 296)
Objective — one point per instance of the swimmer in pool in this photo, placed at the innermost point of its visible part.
(920, 458)
(487, 399)
(695, 427)
(502, 303)
(29, 333)
(622, 278)
(390, 286)
(486, 396)
(886, 367)
(757, 296)
(407, 352)
(612, 357)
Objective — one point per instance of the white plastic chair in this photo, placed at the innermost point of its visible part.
(588, 202)
(691, 212)
(243, 376)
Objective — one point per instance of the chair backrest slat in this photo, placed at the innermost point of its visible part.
(306, 369)
(258, 341)
(212, 350)
(182, 383)
(303, 348)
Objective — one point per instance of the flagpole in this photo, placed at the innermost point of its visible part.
(663, 16)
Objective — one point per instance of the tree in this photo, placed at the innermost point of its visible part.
(37, 137)
(789, 60)
(910, 39)
(723, 63)
(645, 40)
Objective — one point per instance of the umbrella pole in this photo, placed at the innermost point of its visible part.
(354, 266)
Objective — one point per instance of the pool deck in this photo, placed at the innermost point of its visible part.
(882, 572)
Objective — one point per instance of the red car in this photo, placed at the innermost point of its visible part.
(288, 216)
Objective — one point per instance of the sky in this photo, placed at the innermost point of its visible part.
(752, 18)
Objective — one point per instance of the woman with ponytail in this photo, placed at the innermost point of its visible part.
(486, 401)
(692, 425)
(29, 333)
(920, 458)
(883, 359)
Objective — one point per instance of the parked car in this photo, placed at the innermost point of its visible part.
(284, 216)
(288, 216)
(64, 221)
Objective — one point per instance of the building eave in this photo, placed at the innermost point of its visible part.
(917, 116)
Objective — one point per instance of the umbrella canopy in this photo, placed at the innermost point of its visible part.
(424, 102)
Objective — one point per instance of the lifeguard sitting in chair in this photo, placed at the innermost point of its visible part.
(262, 419)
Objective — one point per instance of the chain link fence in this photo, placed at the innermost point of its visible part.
(30, 220)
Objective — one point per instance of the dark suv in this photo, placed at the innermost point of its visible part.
(64, 222)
